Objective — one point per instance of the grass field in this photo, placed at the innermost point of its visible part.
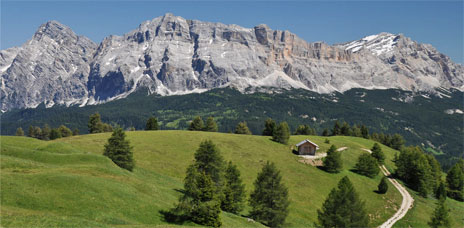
(68, 182)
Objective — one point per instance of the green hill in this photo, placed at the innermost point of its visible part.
(68, 182)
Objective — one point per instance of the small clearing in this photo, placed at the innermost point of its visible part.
(316, 160)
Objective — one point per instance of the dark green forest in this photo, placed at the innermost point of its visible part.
(420, 118)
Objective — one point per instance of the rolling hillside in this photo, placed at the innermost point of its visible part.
(68, 182)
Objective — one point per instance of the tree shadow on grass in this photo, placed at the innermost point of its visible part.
(171, 216)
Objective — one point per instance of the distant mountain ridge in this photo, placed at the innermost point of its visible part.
(171, 55)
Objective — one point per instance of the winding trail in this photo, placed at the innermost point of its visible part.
(407, 203)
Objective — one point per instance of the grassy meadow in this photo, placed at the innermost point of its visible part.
(68, 182)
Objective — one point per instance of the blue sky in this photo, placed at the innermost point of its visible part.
(439, 23)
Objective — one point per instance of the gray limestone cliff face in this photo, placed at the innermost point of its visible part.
(51, 68)
(171, 55)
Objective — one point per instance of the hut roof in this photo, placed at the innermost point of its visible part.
(307, 141)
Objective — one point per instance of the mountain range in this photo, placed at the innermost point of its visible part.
(170, 55)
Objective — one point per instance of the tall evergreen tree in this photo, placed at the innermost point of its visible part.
(31, 132)
(345, 129)
(333, 161)
(414, 169)
(64, 131)
(152, 124)
(19, 132)
(336, 129)
(269, 127)
(45, 134)
(119, 150)
(95, 124)
(196, 124)
(325, 132)
(208, 160)
(199, 203)
(282, 133)
(269, 200)
(234, 190)
(303, 130)
(364, 132)
(440, 193)
(356, 131)
(440, 217)
(367, 165)
(343, 208)
(396, 141)
(377, 153)
(242, 128)
(455, 181)
(383, 186)
(211, 125)
(55, 134)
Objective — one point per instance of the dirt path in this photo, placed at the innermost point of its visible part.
(407, 203)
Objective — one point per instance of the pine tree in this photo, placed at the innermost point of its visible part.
(45, 134)
(95, 125)
(269, 200)
(31, 132)
(397, 141)
(303, 130)
(325, 132)
(440, 217)
(383, 186)
(356, 131)
(211, 125)
(196, 124)
(343, 208)
(242, 128)
(208, 159)
(440, 193)
(345, 129)
(152, 124)
(333, 161)
(76, 131)
(269, 127)
(234, 190)
(282, 133)
(414, 169)
(119, 150)
(336, 129)
(55, 134)
(19, 132)
(367, 165)
(65, 132)
(199, 202)
(455, 181)
(364, 132)
(378, 154)
(37, 132)
(106, 127)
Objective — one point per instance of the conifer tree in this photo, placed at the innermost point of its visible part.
(364, 132)
(208, 160)
(455, 181)
(343, 208)
(269, 127)
(64, 131)
(95, 124)
(383, 186)
(377, 153)
(336, 129)
(106, 127)
(152, 124)
(75, 131)
(37, 132)
(19, 132)
(199, 203)
(282, 133)
(333, 161)
(367, 165)
(55, 134)
(196, 124)
(269, 200)
(325, 132)
(440, 193)
(345, 129)
(242, 128)
(396, 141)
(31, 132)
(45, 134)
(119, 150)
(303, 130)
(440, 217)
(211, 125)
(234, 190)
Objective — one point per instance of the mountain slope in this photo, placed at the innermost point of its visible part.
(73, 166)
(170, 55)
